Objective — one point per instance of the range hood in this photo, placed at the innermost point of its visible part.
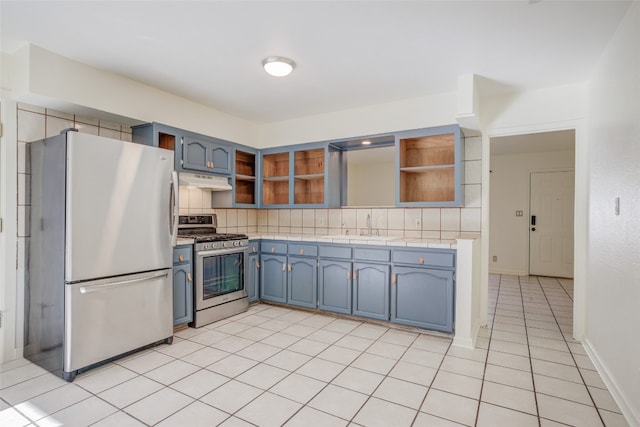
(206, 182)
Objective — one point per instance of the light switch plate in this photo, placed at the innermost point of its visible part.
(519, 213)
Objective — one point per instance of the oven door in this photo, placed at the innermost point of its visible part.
(221, 276)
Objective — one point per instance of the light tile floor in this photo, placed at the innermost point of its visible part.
(275, 366)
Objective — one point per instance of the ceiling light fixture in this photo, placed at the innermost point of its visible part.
(366, 142)
(278, 66)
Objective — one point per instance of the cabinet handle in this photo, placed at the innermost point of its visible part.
(349, 275)
(213, 166)
(257, 264)
(301, 251)
(355, 275)
(393, 279)
(421, 260)
(181, 258)
(289, 267)
(253, 249)
(284, 266)
(189, 276)
(273, 250)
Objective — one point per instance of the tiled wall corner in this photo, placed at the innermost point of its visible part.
(36, 123)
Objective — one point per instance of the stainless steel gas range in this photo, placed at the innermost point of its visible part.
(220, 276)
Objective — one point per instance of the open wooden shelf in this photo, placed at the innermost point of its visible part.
(431, 150)
(245, 163)
(308, 189)
(166, 141)
(309, 162)
(427, 169)
(245, 178)
(275, 165)
(275, 192)
(428, 185)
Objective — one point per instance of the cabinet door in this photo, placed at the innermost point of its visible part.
(220, 157)
(273, 278)
(422, 297)
(253, 271)
(334, 286)
(302, 286)
(182, 294)
(371, 290)
(195, 154)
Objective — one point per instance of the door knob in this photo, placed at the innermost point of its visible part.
(533, 229)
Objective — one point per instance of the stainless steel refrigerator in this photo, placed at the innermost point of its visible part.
(103, 223)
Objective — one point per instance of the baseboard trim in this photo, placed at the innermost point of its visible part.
(627, 410)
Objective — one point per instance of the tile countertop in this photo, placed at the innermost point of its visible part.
(184, 241)
(362, 240)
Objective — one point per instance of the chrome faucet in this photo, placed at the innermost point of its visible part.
(369, 227)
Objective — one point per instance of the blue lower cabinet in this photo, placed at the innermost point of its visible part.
(422, 297)
(371, 290)
(303, 283)
(182, 294)
(273, 278)
(334, 286)
(253, 273)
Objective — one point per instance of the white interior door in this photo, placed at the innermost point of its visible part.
(551, 224)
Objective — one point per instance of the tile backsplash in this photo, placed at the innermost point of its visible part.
(35, 123)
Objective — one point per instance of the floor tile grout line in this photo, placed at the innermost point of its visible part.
(384, 377)
(547, 292)
(484, 371)
(526, 331)
(595, 406)
(430, 387)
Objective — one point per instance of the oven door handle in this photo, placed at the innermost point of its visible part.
(221, 251)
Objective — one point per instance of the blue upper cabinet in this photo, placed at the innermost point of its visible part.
(301, 177)
(430, 167)
(205, 154)
(159, 135)
(245, 174)
(192, 152)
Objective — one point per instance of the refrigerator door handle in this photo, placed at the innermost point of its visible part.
(173, 209)
(108, 286)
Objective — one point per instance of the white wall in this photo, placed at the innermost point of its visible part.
(371, 183)
(613, 280)
(406, 114)
(40, 77)
(509, 234)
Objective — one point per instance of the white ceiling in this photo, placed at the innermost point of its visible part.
(563, 140)
(348, 54)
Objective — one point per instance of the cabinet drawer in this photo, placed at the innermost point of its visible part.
(366, 254)
(424, 257)
(330, 251)
(254, 247)
(302, 249)
(182, 254)
(273, 247)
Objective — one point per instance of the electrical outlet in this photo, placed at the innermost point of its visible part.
(495, 258)
(519, 213)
